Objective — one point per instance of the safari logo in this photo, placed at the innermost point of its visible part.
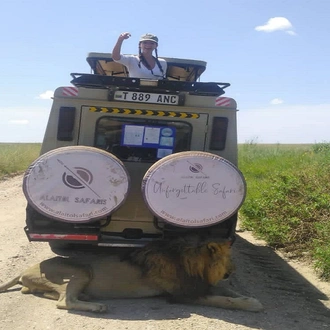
(196, 168)
(77, 179)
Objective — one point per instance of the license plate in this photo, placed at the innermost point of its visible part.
(146, 97)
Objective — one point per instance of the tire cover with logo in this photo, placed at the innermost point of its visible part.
(193, 189)
(76, 184)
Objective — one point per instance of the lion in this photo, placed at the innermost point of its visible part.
(185, 270)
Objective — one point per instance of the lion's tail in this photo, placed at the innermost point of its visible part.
(9, 284)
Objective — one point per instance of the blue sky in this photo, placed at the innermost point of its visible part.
(274, 53)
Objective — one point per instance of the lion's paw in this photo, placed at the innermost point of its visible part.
(25, 290)
(253, 305)
(99, 308)
(82, 306)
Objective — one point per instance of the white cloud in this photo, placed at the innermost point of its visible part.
(19, 122)
(23, 124)
(276, 101)
(292, 33)
(277, 24)
(46, 95)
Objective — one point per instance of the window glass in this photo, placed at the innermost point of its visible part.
(219, 133)
(141, 140)
(66, 121)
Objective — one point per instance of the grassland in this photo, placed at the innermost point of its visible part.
(16, 157)
(288, 194)
(288, 198)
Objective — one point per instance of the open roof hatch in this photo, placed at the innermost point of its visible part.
(182, 75)
(177, 69)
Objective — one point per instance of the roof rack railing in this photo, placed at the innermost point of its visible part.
(111, 82)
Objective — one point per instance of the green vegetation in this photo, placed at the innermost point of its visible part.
(288, 198)
(16, 157)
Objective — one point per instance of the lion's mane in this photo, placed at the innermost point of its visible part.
(185, 268)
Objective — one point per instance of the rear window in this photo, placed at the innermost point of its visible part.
(141, 140)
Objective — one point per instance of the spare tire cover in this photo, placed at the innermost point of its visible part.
(193, 189)
(76, 184)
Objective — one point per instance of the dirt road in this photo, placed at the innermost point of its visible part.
(292, 295)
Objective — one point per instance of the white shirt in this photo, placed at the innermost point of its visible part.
(132, 64)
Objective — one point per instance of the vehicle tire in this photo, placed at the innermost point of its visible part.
(193, 189)
(76, 184)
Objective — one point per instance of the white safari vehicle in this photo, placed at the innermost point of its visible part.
(126, 160)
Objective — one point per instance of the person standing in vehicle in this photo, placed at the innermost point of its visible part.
(145, 65)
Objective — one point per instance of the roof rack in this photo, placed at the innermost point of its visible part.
(125, 83)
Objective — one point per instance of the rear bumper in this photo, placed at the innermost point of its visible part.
(42, 229)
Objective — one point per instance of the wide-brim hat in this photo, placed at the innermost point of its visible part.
(149, 37)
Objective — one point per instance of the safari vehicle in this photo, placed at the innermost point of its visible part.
(127, 160)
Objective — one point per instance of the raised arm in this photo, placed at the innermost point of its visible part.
(117, 48)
